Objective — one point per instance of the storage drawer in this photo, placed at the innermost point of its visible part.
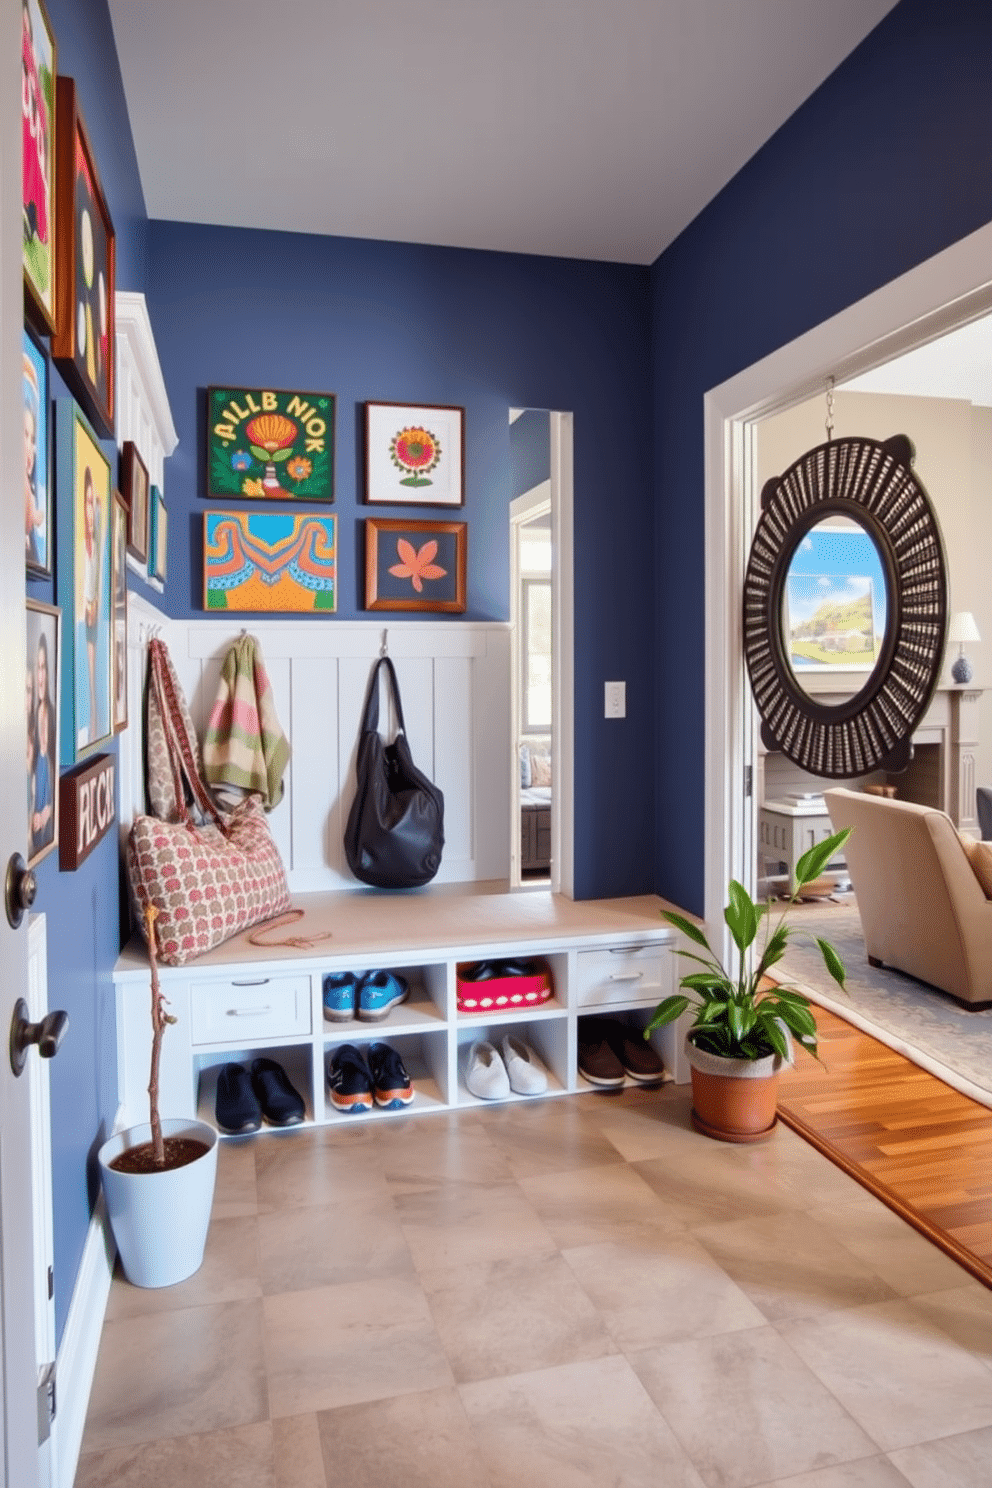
(623, 974)
(249, 1009)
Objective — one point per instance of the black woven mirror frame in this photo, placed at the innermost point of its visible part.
(873, 483)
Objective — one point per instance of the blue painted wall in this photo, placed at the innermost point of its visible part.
(82, 908)
(888, 163)
(530, 451)
(368, 320)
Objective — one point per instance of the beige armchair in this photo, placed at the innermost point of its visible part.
(923, 906)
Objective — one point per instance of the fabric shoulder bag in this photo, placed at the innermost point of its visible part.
(207, 882)
(395, 832)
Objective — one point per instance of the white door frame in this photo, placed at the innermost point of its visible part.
(943, 292)
(523, 509)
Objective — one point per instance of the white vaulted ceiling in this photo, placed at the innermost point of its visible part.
(568, 127)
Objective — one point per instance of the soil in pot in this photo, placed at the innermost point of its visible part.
(179, 1153)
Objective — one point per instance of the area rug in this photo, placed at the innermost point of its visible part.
(925, 1025)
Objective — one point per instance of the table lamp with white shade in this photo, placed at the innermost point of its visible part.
(962, 628)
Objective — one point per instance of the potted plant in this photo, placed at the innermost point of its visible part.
(158, 1178)
(743, 1029)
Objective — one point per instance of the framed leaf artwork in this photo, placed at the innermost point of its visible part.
(415, 565)
(276, 561)
(38, 52)
(414, 453)
(270, 444)
(83, 345)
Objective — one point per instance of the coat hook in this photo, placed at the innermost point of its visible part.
(384, 647)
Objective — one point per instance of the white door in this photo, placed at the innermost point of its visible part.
(19, 1466)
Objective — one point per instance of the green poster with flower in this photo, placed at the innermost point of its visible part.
(270, 444)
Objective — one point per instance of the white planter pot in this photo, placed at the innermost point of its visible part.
(160, 1220)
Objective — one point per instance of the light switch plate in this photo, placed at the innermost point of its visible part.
(616, 700)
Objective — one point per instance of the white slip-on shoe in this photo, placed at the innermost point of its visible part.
(526, 1072)
(485, 1073)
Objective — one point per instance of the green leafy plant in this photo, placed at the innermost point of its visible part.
(735, 1017)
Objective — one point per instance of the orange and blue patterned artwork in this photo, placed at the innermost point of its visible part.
(272, 561)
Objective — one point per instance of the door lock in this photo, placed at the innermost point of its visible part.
(48, 1034)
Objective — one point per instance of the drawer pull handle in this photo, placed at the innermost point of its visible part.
(631, 950)
(259, 982)
(626, 976)
(255, 1012)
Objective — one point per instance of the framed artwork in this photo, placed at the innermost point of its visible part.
(38, 162)
(274, 561)
(83, 345)
(119, 669)
(158, 546)
(415, 565)
(43, 680)
(85, 577)
(136, 490)
(415, 454)
(267, 443)
(37, 459)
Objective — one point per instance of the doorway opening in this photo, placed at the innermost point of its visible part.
(541, 652)
(945, 292)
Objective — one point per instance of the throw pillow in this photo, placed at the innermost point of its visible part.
(979, 855)
(525, 780)
(540, 767)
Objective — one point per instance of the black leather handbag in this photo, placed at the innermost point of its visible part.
(395, 831)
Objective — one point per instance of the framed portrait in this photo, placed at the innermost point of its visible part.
(158, 545)
(37, 458)
(275, 561)
(136, 490)
(38, 54)
(414, 453)
(271, 444)
(83, 345)
(42, 769)
(119, 666)
(86, 582)
(415, 565)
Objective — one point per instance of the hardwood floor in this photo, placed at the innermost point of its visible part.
(922, 1148)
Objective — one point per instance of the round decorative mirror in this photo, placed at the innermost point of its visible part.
(845, 607)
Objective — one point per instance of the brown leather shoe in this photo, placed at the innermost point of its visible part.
(598, 1062)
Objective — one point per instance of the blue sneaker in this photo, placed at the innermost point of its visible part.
(339, 996)
(378, 992)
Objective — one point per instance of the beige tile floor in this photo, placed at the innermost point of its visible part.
(562, 1292)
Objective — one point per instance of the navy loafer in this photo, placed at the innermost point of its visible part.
(238, 1108)
(281, 1104)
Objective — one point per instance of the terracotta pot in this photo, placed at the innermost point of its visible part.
(733, 1100)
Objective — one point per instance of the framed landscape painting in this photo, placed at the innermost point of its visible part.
(267, 443)
(414, 454)
(415, 565)
(37, 458)
(83, 345)
(136, 490)
(85, 579)
(281, 562)
(38, 162)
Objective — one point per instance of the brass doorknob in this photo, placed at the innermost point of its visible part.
(20, 889)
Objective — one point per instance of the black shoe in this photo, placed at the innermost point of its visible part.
(488, 971)
(348, 1081)
(391, 1085)
(281, 1104)
(238, 1108)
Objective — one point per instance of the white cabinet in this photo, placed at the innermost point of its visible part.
(604, 959)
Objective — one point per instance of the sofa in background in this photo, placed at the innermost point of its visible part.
(535, 805)
(924, 892)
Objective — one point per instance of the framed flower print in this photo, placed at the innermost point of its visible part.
(414, 454)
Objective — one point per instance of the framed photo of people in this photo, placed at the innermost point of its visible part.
(86, 579)
(37, 458)
(38, 162)
(119, 546)
(136, 489)
(42, 765)
(83, 345)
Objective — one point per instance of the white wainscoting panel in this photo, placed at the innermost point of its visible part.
(454, 679)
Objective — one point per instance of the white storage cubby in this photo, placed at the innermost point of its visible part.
(608, 958)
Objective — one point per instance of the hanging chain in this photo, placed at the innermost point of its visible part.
(830, 409)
